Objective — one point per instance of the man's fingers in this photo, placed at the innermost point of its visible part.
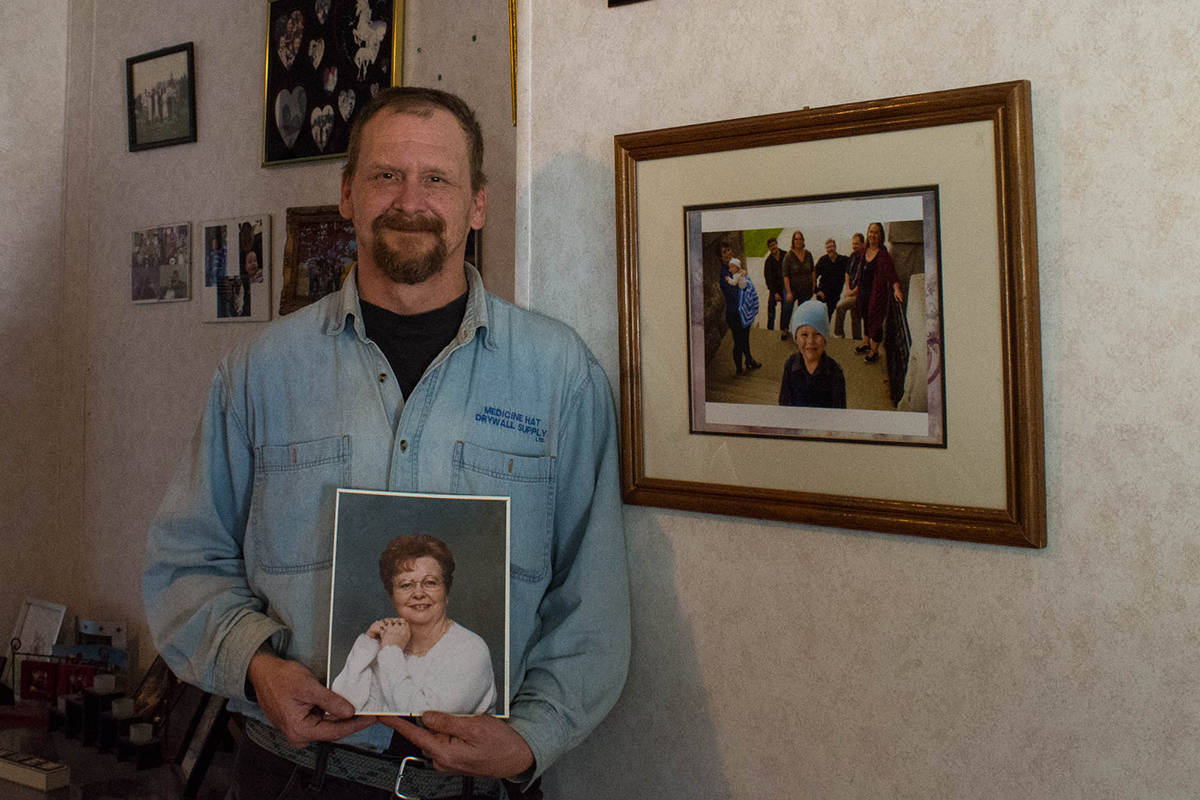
(329, 701)
(426, 740)
(316, 729)
(448, 724)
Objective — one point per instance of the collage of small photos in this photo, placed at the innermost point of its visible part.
(231, 277)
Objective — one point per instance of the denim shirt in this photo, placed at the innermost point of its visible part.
(240, 550)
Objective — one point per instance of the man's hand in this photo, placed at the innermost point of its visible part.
(482, 746)
(297, 703)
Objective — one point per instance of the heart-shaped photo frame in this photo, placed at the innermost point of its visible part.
(290, 106)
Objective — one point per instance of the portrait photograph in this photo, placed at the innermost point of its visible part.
(419, 601)
(161, 97)
(854, 355)
(325, 60)
(160, 263)
(234, 274)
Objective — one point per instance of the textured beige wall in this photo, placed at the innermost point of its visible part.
(33, 48)
(781, 661)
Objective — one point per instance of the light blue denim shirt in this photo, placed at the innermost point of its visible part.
(516, 405)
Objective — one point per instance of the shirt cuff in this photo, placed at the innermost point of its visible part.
(239, 646)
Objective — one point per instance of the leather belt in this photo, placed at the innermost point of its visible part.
(406, 777)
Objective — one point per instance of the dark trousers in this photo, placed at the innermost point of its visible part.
(785, 315)
(831, 302)
(771, 302)
(261, 775)
(741, 345)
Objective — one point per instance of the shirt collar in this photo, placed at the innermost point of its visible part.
(348, 307)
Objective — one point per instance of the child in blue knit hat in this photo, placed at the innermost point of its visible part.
(810, 377)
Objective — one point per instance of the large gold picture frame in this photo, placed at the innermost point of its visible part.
(987, 484)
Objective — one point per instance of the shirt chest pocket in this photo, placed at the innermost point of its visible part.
(529, 483)
(291, 514)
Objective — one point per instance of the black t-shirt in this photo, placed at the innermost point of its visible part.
(412, 341)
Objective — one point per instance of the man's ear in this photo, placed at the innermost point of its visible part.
(345, 203)
(479, 208)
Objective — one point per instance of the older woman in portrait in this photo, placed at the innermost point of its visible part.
(884, 282)
(420, 660)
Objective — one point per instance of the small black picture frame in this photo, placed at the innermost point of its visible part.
(160, 91)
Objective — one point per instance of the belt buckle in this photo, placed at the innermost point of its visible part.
(400, 776)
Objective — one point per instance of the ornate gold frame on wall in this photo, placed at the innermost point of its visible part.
(988, 484)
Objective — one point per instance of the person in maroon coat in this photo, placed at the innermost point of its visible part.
(886, 282)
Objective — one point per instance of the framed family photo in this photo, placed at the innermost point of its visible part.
(419, 603)
(319, 251)
(234, 274)
(927, 202)
(160, 90)
(325, 60)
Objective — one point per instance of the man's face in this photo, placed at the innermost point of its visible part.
(831, 249)
(773, 246)
(410, 197)
(857, 244)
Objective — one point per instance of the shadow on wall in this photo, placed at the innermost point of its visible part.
(660, 739)
(573, 274)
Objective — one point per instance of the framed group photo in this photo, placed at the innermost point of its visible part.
(325, 60)
(318, 253)
(939, 432)
(161, 97)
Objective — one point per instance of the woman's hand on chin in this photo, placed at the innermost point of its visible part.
(396, 632)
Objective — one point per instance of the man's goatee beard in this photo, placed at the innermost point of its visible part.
(412, 269)
(402, 268)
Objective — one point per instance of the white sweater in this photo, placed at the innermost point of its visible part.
(455, 676)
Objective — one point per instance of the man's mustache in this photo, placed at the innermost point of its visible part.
(400, 221)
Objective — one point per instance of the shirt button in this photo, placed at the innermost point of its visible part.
(404, 445)
(382, 377)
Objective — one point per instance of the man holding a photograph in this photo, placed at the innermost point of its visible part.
(410, 378)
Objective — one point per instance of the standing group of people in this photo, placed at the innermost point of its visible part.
(863, 283)
(860, 283)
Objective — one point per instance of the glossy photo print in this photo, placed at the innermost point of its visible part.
(817, 317)
(419, 605)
